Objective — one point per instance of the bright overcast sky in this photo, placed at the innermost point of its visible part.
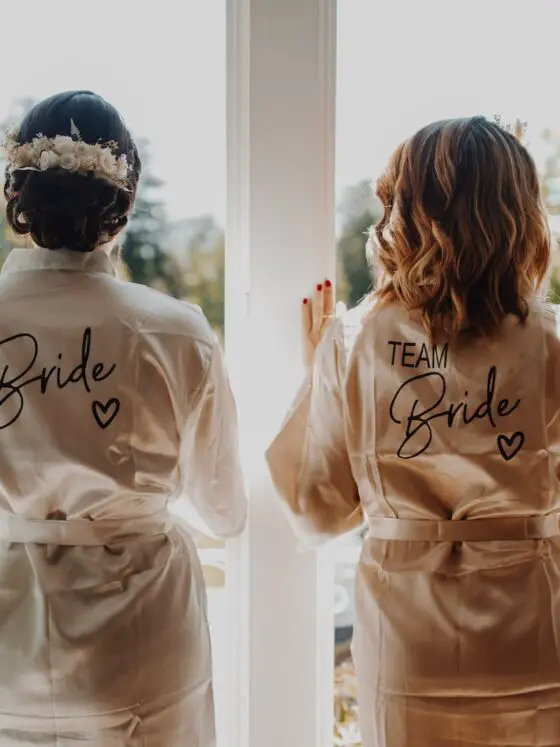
(402, 63)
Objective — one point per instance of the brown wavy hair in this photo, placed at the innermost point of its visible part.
(60, 209)
(464, 235)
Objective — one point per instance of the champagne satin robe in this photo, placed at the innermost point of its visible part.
(114, 403)
(452, 457)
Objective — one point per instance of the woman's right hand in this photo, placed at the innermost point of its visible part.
(317, 313)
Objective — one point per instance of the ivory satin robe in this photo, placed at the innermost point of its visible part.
(452, 457)
(114, 402)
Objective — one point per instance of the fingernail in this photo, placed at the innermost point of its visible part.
(305, 300)
(328, 283)
(320, 287)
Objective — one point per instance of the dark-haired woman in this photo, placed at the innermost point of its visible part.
(434, 409)
(114, 402)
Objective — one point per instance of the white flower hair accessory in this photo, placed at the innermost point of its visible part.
(67, 152)
(517, 128)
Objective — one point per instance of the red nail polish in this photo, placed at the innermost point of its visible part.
(328, 283)
(305, 300)
(320, 287)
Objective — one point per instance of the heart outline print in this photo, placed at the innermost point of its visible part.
(105, 413)
(513, 444)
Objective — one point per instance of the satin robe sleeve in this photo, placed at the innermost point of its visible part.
(308, 460)
(214, 482)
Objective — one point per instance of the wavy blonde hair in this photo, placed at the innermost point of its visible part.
(464, 236)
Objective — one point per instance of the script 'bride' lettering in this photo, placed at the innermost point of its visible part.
(14, 379)
(418, 421)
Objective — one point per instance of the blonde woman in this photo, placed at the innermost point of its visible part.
(434, 412)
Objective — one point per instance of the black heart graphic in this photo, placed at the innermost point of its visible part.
(104, 414)
(509, 447)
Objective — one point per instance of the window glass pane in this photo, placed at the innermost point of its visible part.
(163, 66)
(400, 66)
(346, 731)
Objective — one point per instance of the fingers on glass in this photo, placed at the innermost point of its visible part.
(319, 306)
(328, 306)
(306, 316)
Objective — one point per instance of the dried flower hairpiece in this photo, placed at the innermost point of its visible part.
(516, 128)
(66, 152)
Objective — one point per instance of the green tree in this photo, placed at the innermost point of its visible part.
(359, 209)
(143, 254)
(143, 248)
(550, 173)
(554, 287)
(205, 282)
(8, 239)
(204, 275)
(550, 187)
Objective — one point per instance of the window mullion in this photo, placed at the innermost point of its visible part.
(281, 71)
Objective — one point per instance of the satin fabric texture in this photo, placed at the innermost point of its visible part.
(447, 458)
(114, 405)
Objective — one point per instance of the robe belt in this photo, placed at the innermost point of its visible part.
(507, 528)
(82, 532)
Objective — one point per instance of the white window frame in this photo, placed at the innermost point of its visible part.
(281, 66)
(281, 71)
